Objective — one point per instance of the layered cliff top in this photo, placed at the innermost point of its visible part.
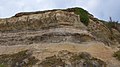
(44, 19)
(63, 21)
(58, 38)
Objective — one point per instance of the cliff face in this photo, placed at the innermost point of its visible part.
(47, 20)
(57, 38)
(103, 30)
(57, 26)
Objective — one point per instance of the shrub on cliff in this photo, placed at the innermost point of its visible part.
(82, 13)
(117, 55)
(17, 59)
(1, 65)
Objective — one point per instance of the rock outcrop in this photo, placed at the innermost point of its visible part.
(65, 26)
(57, 38)
(47, 20)
(69, 59)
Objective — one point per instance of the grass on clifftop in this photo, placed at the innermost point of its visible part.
(82, 13)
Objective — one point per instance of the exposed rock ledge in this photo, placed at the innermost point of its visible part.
(47, 20)
(48, 27)
(56, 35)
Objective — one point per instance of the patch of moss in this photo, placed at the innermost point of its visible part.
(117, 55)
(82, 13)
(2, 65)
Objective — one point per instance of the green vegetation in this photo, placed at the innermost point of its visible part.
(82, 13)
(74, 59)
(112, 24)
(52, 61)
(16, 59)
(117, 55)
(88, 59)
(1, 65)
(38, 24)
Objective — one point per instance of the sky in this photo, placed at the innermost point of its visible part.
(102, 9)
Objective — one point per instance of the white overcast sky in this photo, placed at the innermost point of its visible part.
(102, 9)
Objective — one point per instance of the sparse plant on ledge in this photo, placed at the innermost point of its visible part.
(1, 65)
(112, 24)
(117, 55)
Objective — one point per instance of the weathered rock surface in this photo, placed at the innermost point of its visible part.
(63, 59)
(102, 32)
(20, 59)
(47, 20)
(56, 35)
(69, 59)
(65, 26)
(57, 38)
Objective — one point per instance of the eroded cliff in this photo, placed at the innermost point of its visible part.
(57, 38)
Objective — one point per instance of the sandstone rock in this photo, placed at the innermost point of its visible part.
(57, 38)
(73, 60)
(43, 21)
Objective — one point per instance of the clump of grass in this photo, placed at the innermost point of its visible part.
(117, 55)
(2, 65)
